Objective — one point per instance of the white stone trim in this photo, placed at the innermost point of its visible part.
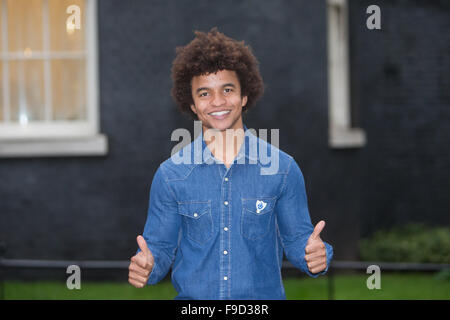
(96, 145)
(340, 134)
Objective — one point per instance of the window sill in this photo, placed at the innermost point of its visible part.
(347, 138)
(96, 145)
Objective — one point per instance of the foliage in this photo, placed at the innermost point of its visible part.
(411, 243)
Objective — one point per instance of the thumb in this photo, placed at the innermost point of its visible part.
(317, 230)
(143, 245)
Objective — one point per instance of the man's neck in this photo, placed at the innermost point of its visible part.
(224, 145)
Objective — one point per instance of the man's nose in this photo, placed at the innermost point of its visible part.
(218, 100)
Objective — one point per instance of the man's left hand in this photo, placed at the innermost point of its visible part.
(315, 251)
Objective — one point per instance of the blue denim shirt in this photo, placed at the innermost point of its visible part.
(224, 230)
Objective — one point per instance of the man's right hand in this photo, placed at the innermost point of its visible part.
(141, 265)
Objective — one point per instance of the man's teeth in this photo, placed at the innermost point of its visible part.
(220, 113)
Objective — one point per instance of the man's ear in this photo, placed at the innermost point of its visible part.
(244, 101)
(194, 110)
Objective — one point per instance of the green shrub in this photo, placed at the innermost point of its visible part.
(411, 243)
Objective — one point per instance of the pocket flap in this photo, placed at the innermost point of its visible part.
(259, 205)
(194, 209)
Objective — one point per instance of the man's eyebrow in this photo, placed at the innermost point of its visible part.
(201, 89)
(229, 85)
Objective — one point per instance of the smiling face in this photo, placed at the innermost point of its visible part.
(217, 100)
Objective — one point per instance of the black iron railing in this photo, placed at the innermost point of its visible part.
(108, 265)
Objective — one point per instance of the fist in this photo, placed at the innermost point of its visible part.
(141, 265)
(315, 252)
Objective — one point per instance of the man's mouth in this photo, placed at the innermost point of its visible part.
(220, 114)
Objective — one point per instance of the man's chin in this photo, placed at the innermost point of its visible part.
(218, 126)
(223, 126)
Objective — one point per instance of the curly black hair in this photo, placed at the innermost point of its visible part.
(211, 52)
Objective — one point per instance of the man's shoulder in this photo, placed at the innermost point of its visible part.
(267, 153)
(177, 167)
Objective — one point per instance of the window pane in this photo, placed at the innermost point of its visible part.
(27, 90)
(1, 92)
(25, 25)
(68, 89)
(1, 32)
(63, 37)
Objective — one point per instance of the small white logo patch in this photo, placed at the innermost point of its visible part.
(260, 205)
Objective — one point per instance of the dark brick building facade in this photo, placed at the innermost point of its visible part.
(93, 208)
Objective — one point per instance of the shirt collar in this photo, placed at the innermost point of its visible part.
(248, 149)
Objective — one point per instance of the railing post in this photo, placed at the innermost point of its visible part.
(2, 284)
(331, 282)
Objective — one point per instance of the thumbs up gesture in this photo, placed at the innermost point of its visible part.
(315, 252)
(141, 265)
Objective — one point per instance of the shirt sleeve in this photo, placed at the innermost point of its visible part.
(294, 222)
(162, 227)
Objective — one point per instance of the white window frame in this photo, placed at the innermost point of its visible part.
(340, 132)
(56, 138)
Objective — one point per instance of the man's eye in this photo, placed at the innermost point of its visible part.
(203, 94)
(228, 90)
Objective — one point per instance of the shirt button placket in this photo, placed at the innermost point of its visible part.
(225, 239)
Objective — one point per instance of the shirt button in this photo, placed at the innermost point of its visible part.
(226, 179)
(226, 229)
(225, 252)
(225, 203)
(225, 278)
(195, 214)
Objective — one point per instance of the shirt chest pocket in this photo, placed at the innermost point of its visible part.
(197, 220)
(256, 217)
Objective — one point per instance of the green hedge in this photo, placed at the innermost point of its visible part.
(411, 243)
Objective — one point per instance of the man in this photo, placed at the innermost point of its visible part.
(220, 221)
